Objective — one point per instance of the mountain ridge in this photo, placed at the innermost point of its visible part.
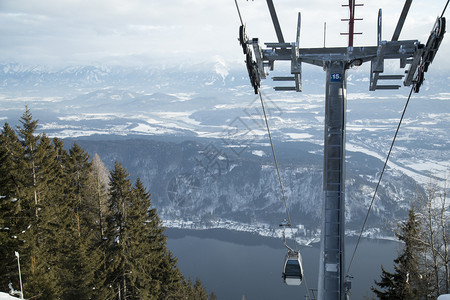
(187, 187)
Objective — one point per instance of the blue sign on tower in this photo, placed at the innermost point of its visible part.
(336, 77)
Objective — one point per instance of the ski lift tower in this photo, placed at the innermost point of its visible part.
(332, 283)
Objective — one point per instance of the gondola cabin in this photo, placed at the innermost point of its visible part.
(293, 270)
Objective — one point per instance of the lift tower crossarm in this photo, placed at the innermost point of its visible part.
(276, 23)
(401, 20)
(317, 56)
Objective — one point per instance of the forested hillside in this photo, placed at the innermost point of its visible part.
(81, 233)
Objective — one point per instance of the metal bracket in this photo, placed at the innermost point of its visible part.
(411, 72)
(259, 58)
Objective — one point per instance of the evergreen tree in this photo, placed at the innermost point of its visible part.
(45, 233)
(10, 152)
(78, 169)
(193, 291)
(81, 259)
(10, 221)
(154, 268)
(30, 162)
(405, 282)
(169, 275)
(36, 166)
(139, 264)
(118, 264)
(40, 191)
(199, 290)
(78, 238)
(212, 296)
(146, 244)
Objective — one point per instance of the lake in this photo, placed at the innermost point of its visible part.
(235, 264)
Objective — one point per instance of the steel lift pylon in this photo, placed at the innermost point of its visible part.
(332, 283)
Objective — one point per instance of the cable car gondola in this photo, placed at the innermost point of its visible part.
(293, 270)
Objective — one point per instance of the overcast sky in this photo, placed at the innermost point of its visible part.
(123, 32)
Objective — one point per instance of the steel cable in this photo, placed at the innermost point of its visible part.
(275, 158)
(443, 11)
(384, 168)
(379, 181)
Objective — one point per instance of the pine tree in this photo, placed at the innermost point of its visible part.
(81, 259)
(169, 275)
(40, 190)
(193, 291)
(10, 221)
(78, 169)
(36, 166)
(138, 262)
(405, 282)
(24, 183)
(145, 244)
(45, 233)
(118, 265)
(199, 290)
(10, 151)
(154, 268)
(30, 161)
(78, 238)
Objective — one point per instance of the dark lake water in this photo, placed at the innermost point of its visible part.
(233, 264)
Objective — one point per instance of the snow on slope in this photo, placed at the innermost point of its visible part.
(418, 177)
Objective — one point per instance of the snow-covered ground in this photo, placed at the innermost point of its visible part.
(422, 179)
(5, 296)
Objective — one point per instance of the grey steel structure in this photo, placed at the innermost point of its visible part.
(332, 283)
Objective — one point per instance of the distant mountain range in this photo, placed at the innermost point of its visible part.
(160, 123)
(202, 183)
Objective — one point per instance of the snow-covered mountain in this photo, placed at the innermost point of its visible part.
(202, 183)
(157, 109)
(214, 101)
